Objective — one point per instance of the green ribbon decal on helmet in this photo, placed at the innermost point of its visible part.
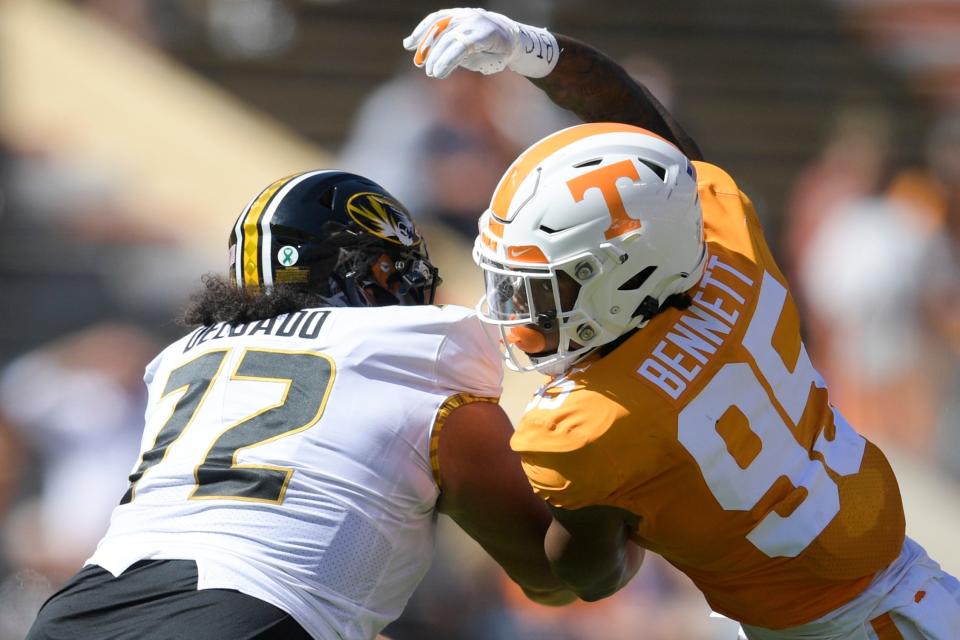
(288, 256)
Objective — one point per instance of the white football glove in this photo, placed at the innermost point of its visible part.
(482, 41)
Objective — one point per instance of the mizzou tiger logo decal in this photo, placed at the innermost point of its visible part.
(384, 218)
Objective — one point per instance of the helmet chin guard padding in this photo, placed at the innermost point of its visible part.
(336, 234)
(612, 206)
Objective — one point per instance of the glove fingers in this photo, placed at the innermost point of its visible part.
(430, 40)
(447, 56)
(444, 52)
(472, 38)
(411, 41)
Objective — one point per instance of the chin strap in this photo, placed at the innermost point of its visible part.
(647, 309)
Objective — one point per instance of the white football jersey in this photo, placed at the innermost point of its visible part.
(291, 458)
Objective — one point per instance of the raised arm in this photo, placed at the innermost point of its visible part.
(575, 75)
(595, 87)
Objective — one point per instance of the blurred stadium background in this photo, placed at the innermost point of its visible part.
(132, 132)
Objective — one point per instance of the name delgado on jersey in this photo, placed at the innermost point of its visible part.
(698, 333)
(304, 324)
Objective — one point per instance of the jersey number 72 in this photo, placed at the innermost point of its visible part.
(308, 377)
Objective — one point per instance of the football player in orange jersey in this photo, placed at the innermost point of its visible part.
(684, 414)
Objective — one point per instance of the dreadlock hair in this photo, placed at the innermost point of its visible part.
(219, 300)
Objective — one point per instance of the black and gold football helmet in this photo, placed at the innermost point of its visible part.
(334, 233)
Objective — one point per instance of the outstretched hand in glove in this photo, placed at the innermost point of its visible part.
(482, 41)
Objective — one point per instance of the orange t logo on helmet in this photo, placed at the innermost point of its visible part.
(605, 179)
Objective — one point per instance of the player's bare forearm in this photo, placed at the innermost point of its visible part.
(590, 551)
(484, 490)
(597, 89)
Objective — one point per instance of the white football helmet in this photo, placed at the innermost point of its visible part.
(589, 231)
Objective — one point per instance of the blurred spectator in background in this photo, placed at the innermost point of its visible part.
(875, 259)
(442, 147)
(71, 254)
(941, 206)
(854, 255)
(457, 137)
(233, 29)
(853, 164)
(863, 280)
(72, 412)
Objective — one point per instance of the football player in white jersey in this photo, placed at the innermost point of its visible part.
(300, 441)
(685, 416)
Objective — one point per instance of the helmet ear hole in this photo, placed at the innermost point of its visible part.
(326, 198)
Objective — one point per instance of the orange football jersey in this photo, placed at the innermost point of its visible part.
(712, 425)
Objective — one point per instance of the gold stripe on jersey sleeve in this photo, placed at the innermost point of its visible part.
(885, 628)
(251, 233)
(451, 403)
